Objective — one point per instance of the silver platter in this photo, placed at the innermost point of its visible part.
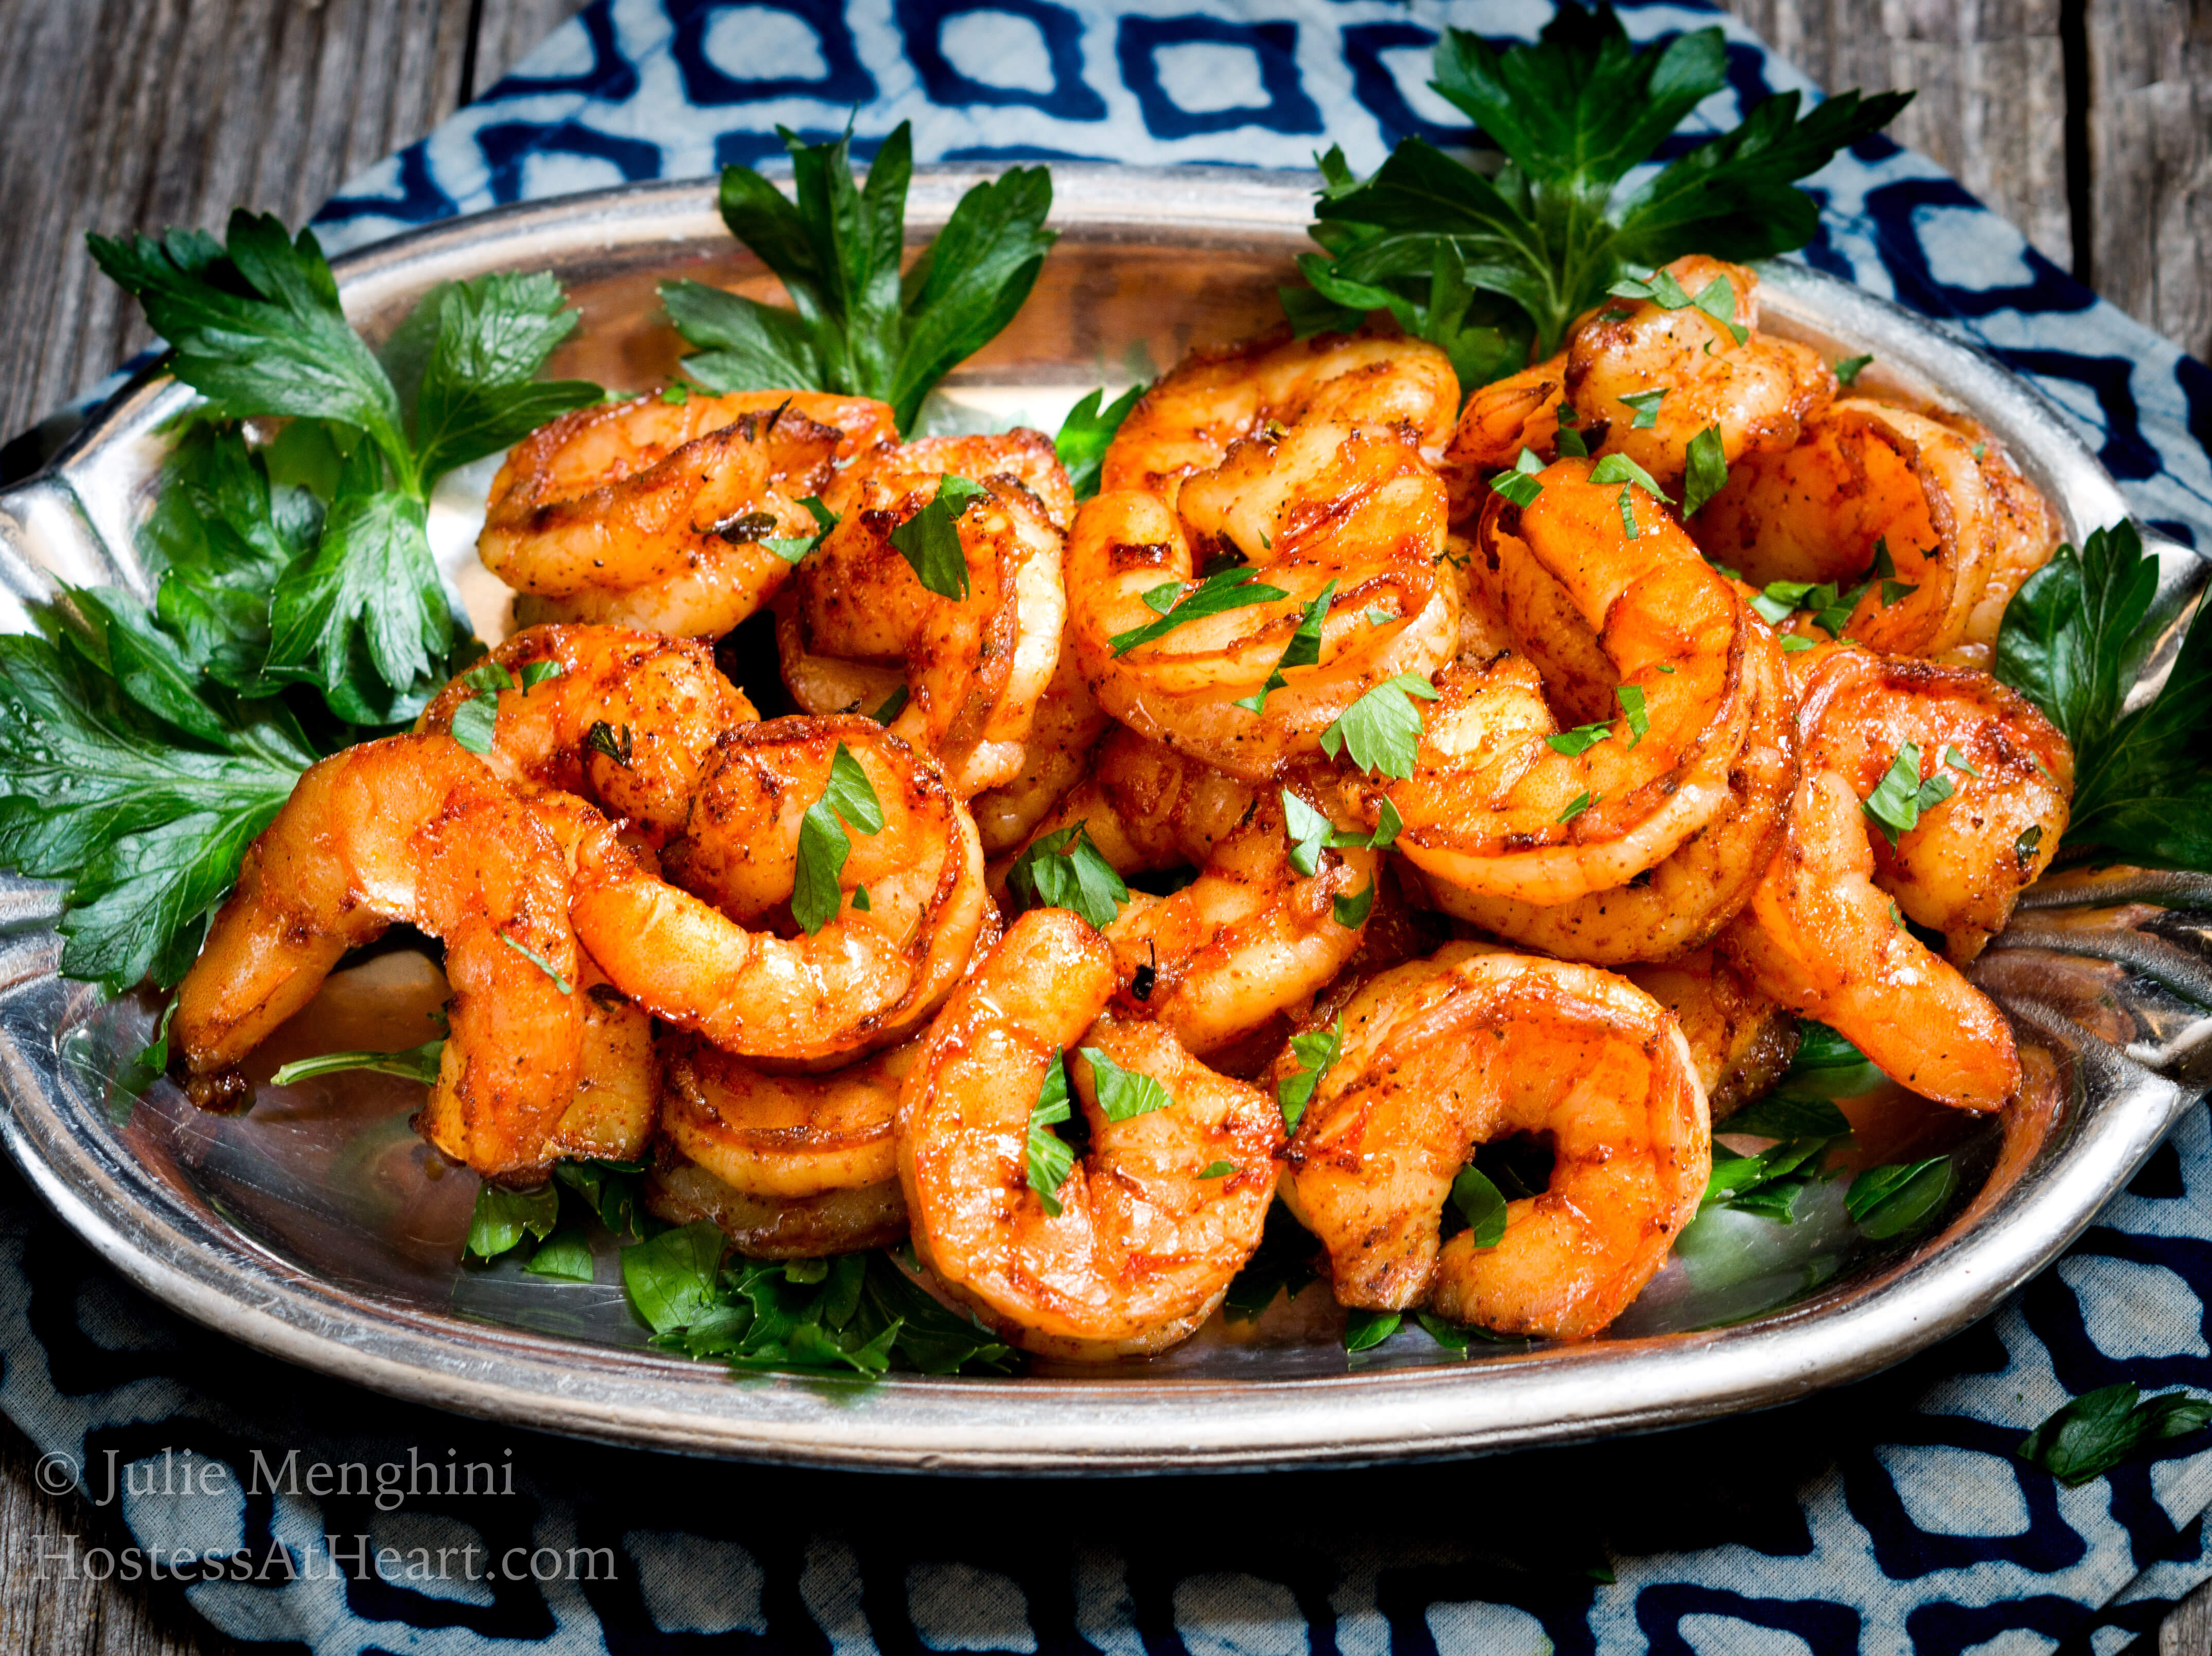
(314, 1227)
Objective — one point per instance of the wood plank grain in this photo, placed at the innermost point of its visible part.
(2150, 161)
(509, 30)
(1991, 87)
(2188, 1630)
(125, 114)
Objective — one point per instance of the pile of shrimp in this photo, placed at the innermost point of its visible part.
(1631, 847)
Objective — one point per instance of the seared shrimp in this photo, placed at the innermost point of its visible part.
(660, 702)
(1740, 1039)
(652, 515)
(1512, 828)
(1962, 528)
(717, 965)
(784, 1136)
(1055, 759)
(415, 830)
(1349, 511)
(1443, 1055)
(861, 628)
(1143, 1244)
(1212, 399)
(1824, 938)
(1759, 393)
(778, 1227)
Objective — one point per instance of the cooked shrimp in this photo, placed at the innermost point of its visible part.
(413, 829)
(1212, 399)
(652, 515)
(1147, 807)
(973, 668)
(1740, 1039)
(781, 1227)
(1962, 528)
(1144, 1244)
(1443, 1055)
(767, 1134)
(660, 701)
(1497, 809)
(1352, 511)
(717, 965)
(1822, 937)
(1056, 758)
(1759, 393)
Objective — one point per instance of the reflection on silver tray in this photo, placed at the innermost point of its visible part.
(318, 1226)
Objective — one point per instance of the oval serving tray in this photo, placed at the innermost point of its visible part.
(314, 1228)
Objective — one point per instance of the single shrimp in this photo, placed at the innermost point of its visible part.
(911, 901)
(848, 1220)
(1251, 936)
(1214, 398)
(657, 515)
(414, 829)
(964, 674)
(1055, 758)
(1820, 935)
(769, 1135)
(1740, 1039)
(1350, 512)
(1444, 1055)
(1961, 528)
(657, 704)
(1757, 392)
(1497, 807)
(1152, 1220)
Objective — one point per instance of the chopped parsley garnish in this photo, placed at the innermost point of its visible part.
(1576, 806)
(1646, 405)
(1630, 699)
(1351, 912)
(1124, 1094)
(1365, 1329)
(930, 540)
(1706, 473)
(1888, 1202)
(540, 962)
(860, 327)
(1235, 587)
(1314, 1051)
(1481, 1203)
(1381, 730)
(1304, 649)
(1519, 484)
(1579, 741)
(1900, 797)
(894, 704)
(1064, 870)
(794, 549)
(848, 801)
(602, 738)
(418, 1063)
(1048, 1160)
(1087, 433)
(1848, 370)
(1216, 1170)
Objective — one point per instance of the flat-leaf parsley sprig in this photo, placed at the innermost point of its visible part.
(296, 608)
(857, 326)
(1517, 256)
(2076, 639)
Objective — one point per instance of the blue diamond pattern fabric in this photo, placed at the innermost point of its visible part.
(1891, 1516)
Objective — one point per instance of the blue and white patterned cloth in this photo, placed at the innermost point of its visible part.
(1887, 1517)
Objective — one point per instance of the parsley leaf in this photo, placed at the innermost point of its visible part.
(1364, 1330)
(848, 799)
(1315, 1051)
(1707, 470)
(2076, 637)
(1124, 1094)
(1578, 741)
(794, 549)
(857, 326)
(1553, 231)
(1087, 433)
(2098, 1430)
(1064, 869)
(1047, 1158)
(1304, 649)
(1646, 405)
(540, 961)
(1900, 797)
(504, 1217)
(1235, 587)
(930, 540)
(1848, 369)
(1381, 730)
(1351, 912)
(1886, 1202)
(1481, 1203)
(418, 1063)
(1308, 830)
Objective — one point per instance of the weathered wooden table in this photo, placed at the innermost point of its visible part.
(2088, 122)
